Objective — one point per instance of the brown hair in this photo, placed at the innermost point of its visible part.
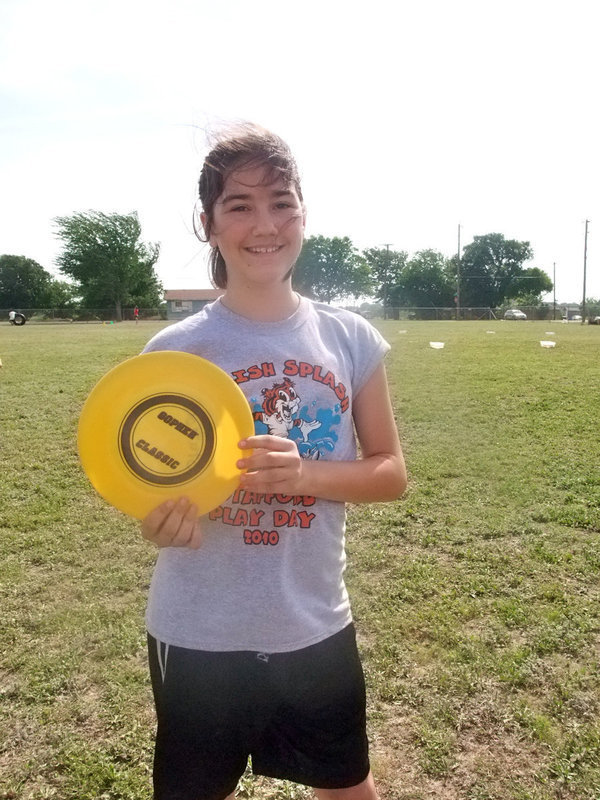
(245, 147)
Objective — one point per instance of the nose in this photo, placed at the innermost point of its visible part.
(264, 223)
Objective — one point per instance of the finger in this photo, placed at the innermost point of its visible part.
(195, 541)
(263, 460)
(264, 480)
(186, 528)
(166, 533)
(172, 522)
(281, 454)
(153, 522)
(258, 485)
(266, 442)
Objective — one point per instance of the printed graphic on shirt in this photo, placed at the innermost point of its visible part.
(279, 410)
(300, 369)
(263, 526)
(281, 415)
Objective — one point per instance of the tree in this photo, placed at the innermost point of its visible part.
(23, 282)
(489, 268)
(592, 305)
(331, 269)
(104, 254)
(62, 295)
(529, 286)
(386, 268)
(425, 282)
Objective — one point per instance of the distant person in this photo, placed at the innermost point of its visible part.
(251, 642)
(16, 318)
(136, 313)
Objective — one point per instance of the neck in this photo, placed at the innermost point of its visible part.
(262, 304)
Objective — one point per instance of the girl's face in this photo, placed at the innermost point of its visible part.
(259, 229)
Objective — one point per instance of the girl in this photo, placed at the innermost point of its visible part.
(251, 642)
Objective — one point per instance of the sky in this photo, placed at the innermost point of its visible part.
(406, 119)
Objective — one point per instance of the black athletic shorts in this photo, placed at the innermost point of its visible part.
(300, 716)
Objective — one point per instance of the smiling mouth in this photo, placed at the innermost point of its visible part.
(262, 250)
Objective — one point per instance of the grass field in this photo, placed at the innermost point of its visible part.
(476, 597)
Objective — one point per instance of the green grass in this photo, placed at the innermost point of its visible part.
(476, 597)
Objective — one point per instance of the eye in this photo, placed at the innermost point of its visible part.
(239, 208)
(282, 396)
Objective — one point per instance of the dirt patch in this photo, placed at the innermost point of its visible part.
(486, 760)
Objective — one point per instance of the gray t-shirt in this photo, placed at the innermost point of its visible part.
(269, 574)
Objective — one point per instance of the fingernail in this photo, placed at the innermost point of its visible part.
(243, 444)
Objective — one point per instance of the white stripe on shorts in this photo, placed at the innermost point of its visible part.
(162, 663)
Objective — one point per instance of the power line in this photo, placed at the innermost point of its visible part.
(385, 285)
(554, 288)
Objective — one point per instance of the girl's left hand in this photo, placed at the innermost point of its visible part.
(275, 465)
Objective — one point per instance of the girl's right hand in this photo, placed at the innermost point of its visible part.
(175, 523)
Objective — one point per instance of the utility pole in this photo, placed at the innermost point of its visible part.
(458, 278)
(584, 271)
(554, 287)
(387, 279)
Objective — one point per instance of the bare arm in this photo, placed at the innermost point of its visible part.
(379, 474)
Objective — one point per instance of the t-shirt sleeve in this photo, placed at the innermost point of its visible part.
(163, 340)
(180, 336)
(369, 350)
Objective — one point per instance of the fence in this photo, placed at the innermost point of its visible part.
(91, 315)
(65, 315)
(433, 313)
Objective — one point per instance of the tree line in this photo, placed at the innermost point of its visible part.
(491, 273)
(104, 256)
(110, 266)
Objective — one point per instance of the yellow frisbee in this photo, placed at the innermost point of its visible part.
(162, 425)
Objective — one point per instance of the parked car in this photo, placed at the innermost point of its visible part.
(594, 321)
(514, 313)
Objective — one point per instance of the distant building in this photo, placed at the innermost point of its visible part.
(183, 302)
